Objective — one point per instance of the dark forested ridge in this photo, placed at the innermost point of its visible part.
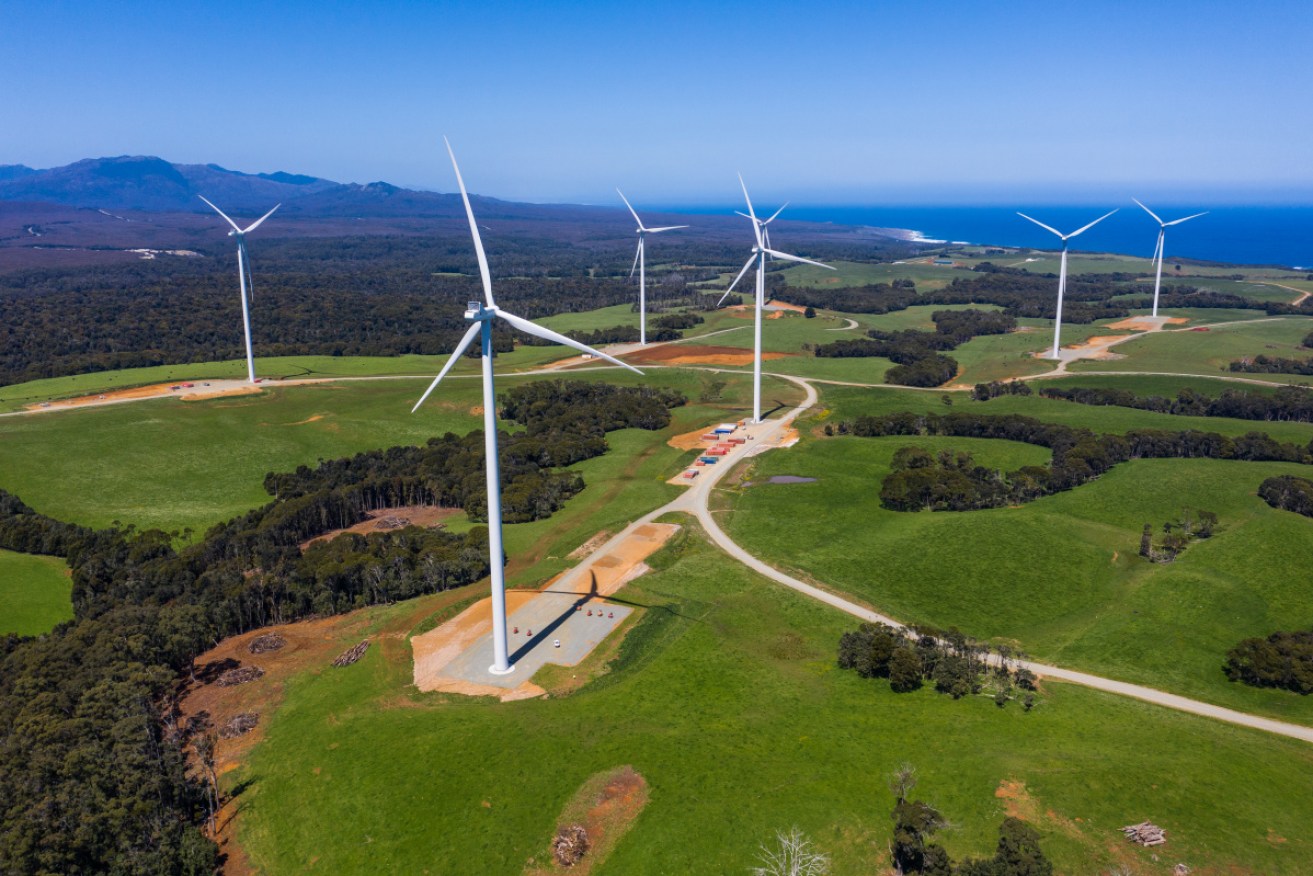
(93, 777)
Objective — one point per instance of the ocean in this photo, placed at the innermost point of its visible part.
(1240, 235)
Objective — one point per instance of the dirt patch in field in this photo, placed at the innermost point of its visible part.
(587, 547)
(690, 354)
(235, 390)
(784, 305)
(1146, 323)
(386, 519)
(691, 440)
(1098, 346)
(606, 806)
(308, 420)
(745, 311)
(136, 392)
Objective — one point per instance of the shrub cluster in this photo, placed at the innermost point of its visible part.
(1262, 364)
(1283, 660)
(952, 662)
(1288, 493)
(996, 388)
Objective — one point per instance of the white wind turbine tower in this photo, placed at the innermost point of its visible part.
(1062, 272)
(640, 262)
(244, 276)
(482, 316)
(1158, 251)
(759, 254)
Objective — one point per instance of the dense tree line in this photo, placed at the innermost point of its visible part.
(1263, 364)
(1288, 493)
(1289, 403)
(1079, 455)
(917, 355)
(93, 776)
(1282, 660)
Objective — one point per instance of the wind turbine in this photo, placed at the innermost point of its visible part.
(482, 315)
(1062, 272)
(244, 276)
(1158, 252)
(759, 254)
(640, 262)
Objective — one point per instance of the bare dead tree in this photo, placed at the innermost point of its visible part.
(792, 855)
(903, 781)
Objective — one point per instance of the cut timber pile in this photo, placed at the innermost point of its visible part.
(1145, 833)
(267, 642)
(392, 522)
(241, 675)
(243, 723)
(352, 654)
(570, 845)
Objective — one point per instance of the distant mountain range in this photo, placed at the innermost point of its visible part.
(151, 184)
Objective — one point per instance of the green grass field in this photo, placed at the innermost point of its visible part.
(34, 593)
(734, 712)
(1060, 576)
(1212, 351)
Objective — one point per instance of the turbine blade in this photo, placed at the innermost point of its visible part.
(636, 253)
(1147, 210)
(1158, 247)
(673, 228)
(1091, 225)
(746, 265)
(455, 357)
(1040, 224)
(474, 228)
(221, 213)
(547, 334)
(751, 213)
(794, 258)
(630, 206)
(776, 213)
(1187, 218)
(256, 224)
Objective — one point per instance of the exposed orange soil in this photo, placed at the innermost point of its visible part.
(607, 806)
(425, 516)
(235, 390)
(1096, 343)
(589, 546)
(1146, 324)
(689, 354)
(690, 440)
(619, 565)
(745, 311)
(157, 389)
(784, 305)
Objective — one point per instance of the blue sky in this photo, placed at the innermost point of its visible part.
(833, 102)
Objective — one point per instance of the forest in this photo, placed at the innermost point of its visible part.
(1282, 660)
(92, 768)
